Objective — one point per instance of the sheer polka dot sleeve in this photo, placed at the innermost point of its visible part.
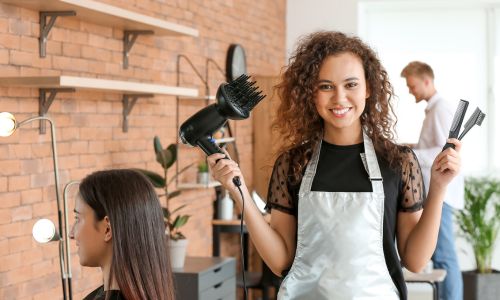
(412, 194)
(278, 195)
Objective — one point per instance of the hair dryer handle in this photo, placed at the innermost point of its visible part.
(209, 147)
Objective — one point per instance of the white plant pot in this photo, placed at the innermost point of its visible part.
(225, 208)
(203, 178)
(178, 253)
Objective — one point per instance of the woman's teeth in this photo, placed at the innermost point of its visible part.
(340, 111)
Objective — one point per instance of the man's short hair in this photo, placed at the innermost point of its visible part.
(417, 68)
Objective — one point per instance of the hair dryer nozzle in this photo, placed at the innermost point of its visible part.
(236, 99)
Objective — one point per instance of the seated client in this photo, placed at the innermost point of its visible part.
(119, 227)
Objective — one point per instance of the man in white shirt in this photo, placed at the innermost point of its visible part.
(438, 118)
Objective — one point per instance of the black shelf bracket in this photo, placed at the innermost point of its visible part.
(129, 38)
(45, 26)
(129, 101)
(44, 102)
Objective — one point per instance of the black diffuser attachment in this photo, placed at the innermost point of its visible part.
(234, 101)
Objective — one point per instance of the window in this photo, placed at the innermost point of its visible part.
(457, 42)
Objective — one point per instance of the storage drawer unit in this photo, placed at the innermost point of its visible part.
(206, 278)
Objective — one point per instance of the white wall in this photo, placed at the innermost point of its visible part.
(306, 16)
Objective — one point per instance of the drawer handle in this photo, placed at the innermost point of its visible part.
(217, 270)
(217, 285)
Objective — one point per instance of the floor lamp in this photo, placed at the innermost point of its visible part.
(42, 229)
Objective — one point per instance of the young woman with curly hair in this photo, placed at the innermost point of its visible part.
(342, 191)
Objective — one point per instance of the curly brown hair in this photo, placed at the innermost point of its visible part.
(297, 120)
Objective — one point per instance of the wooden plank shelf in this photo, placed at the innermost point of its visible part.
(132, 23)
(206, 98)
(225, 140)
(49, 86)
(128, 87)
(217, 141)
(195, 185)
(109, 15)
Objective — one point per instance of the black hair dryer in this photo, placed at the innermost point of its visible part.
(234, 101)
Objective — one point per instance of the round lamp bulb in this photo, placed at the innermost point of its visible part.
(7, 124)
(44, 231)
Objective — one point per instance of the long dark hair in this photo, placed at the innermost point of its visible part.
(298, 121)
(140, 262)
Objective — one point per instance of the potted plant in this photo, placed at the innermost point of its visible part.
(479, 223)
(203, 176)
(166, 157)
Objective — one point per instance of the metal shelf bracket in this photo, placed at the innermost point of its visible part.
(45, 26)
(44, 102)
(129, 101)
(129, 38)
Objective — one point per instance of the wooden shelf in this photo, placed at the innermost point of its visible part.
(49, 86)
(127, 87)
(233, 222)
(225, 140)
(195, 185)
(217, 141)
(210, 98)
(105, 14)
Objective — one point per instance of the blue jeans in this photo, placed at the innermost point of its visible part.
(445, 257)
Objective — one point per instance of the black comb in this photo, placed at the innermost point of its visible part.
(457, 122)
(237, 98)
(476, 118)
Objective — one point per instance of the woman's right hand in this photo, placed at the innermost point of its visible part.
(224, 170)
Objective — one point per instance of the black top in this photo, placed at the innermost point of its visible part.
(100, 294)
(341, 169)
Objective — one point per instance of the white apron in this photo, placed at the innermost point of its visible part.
(339, 241)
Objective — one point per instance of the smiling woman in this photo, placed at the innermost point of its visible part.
(341, 98)
(118, 227)
(341, 189)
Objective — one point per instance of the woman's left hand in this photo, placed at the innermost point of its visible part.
(447, 164)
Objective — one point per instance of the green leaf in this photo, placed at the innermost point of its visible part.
(157, 180)
(173, 194)
(162, 158)
(166, 213)
(203, 167)
(160, 155)
(172, 154)
(479, 221)
(180, 221)
(177, 236)
(167, 157)
(157, 145)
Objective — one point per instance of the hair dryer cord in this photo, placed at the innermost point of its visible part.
(236, 178)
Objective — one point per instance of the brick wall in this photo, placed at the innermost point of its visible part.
(89, 124)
